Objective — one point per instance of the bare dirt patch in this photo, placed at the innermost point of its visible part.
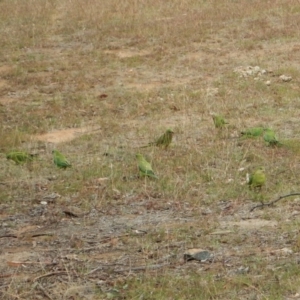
(6, 100)
(5, 70)
(4, 85)
(128, 53)
(250, 224)
(144, 86)
(65, 135)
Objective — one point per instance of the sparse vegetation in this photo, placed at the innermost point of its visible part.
(99, 79)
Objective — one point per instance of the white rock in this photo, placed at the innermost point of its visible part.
(285, 78)
(256, 69)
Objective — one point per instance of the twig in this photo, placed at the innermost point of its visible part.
(140, 268)
(50, 274)
(74, 215)
(8, 235)
(7, 275)
(274, 201)
(42, 234)
(33, 235)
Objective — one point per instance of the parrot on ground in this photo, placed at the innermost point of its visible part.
(219, 121)
(257, 179)
(20, 157)
(60, 160)
(270, 138)
(253, 132)
(163, 141)
(145, 167)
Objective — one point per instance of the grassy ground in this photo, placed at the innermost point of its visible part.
(97, 80)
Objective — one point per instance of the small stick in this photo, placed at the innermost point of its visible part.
(141, 268)
(50, 274)
(274, 201)
(8, 235)
(33, 235)
(42, 234)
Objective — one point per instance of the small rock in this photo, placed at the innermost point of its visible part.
(113, 293)
(52, 197)
(206, 212)
(268, 82)
(198, 254)
(250, 71)
(284, 251)
(242, 270)
(256, 69)
(295, 213)
(285, 78)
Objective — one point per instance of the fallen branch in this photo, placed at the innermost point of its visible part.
(42, 234)
(8, 235)
(29, 236)
(50, 274)
(142, 268)
(274, 201)
(6, 275)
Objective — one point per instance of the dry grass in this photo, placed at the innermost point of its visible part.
(114, 75)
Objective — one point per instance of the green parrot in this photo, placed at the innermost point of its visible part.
(60, 160)
(145, 167)
(253, 132)
(258, 178)
(163, 141)
(270, 138)
(219, 121)
(20, 157)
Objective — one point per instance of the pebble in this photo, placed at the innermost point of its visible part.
(285, 78)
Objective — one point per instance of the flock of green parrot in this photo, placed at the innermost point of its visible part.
(60, 160)
(20, 157)
(256, 180)
(164, 141)
(268, 134)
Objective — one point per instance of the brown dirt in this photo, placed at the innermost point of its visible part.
(65, 135)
